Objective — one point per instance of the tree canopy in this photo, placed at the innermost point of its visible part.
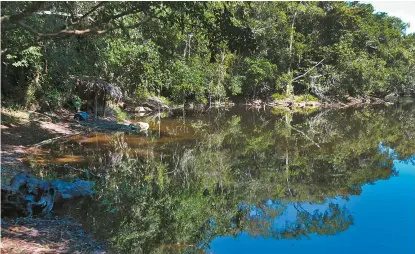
(203, 51)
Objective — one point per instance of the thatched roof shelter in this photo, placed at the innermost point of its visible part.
(99, 88)
(98, 85)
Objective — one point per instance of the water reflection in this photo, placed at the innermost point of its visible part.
(383, 217)
(233, 173)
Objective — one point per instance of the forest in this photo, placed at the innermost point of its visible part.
(202, 52)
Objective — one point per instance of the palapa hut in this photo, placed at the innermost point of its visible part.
(97, 89)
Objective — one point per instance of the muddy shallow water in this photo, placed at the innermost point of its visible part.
(248, 181)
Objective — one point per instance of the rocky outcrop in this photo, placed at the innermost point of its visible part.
(290, 103)
(392, 97)
(155, 104)
(28, 196)
(106, 125)
(149, 105)
(142, 109)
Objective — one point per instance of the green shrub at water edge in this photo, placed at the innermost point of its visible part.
(143, 94)
(279, 96)
(120, 114)
(306, 97)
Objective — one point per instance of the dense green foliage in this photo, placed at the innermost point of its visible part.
(203, 51)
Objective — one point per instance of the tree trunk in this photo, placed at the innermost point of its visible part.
(104, 103)
(289, 88)
(96, 103)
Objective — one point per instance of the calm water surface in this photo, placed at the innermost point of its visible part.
(249, 181)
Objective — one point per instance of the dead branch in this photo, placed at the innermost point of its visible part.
(305, 135)
(302, 75)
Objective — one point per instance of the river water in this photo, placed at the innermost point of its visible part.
(245, 180)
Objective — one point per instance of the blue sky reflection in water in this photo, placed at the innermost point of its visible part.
(383, 222)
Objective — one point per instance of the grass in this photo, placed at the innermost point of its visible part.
(120, 115)
(306, 97)
(279, 96)
(13, 117)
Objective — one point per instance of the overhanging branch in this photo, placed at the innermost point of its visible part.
(70, 32)
(15, 18)
(16, 21)
(61, 33)
(302, 75)
(90, 12)
(122, 14)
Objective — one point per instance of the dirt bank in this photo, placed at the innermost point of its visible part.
(19, 134)
(35, 235)
(298, 102)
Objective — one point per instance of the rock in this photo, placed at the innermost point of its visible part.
(312, 104)
(155, 103)
(26, 194)
(288, 103)
(121, 104)
(139, 126)
(301, 105)
(143, 126)
(44, 107)
(143, 109)
(392, 97)
(257, 102)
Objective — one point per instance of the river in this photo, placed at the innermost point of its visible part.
(246, 180)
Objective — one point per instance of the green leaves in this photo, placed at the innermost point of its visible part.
(188, 81)
(26, 58)
(207, 50)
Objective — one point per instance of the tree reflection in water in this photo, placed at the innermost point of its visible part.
(239, 171)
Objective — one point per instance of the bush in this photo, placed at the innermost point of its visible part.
(120, 115)
(306, 97)
(279, 96)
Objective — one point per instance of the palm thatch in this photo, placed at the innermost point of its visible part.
(98, 88)
(98, 85)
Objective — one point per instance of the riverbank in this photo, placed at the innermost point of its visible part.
(19, 134)
(38, 235)
(302, 102)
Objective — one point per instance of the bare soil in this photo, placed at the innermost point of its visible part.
(19, 135)
(35, 235)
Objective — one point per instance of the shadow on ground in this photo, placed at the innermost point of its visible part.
(35, 235)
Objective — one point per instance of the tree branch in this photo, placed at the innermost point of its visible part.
(57, 13)
(70, 32)
(302, 75)
(89, 12)
(61, 33)
(16, 17)
(305, 135)
(122, 14)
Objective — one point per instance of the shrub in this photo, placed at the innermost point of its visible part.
(120, 115)
(279, 96)
(306, 97)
